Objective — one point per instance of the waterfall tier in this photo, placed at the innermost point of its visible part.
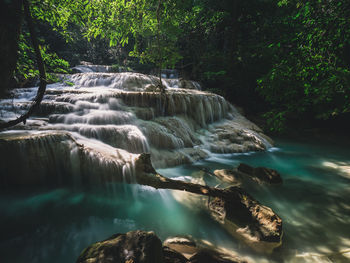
(124, 113)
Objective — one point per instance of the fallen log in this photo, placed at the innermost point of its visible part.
(243, 216)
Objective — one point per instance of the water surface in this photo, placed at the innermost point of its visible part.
(55, 225)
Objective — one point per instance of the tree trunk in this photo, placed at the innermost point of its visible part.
(10, 25)
(42, 75)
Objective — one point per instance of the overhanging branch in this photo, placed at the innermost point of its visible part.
(42, 75)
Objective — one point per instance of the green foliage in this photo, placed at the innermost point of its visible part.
(287, 58)
(61, 14)
(69, 83)
(26, 64)
(310, 76)
(152, 26)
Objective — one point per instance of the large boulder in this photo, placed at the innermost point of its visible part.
(132, 247)
(247, 220)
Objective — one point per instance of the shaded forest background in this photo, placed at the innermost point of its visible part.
(286, 61)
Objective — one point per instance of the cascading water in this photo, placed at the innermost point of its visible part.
(109, 116)
(92, 133)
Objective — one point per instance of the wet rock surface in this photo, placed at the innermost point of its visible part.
(145, 247)
(247, 220)
(132, 247)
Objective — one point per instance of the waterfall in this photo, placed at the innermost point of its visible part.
(106, 119)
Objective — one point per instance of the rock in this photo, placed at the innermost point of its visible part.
(132, 247)
(200, 251)
(233, 136)
(261, 173)
(185, 245)
(145, 247)
(247, 220)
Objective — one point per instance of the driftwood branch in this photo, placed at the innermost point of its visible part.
(232, 207)
(147, 175)
(231, 204)
(42, 75)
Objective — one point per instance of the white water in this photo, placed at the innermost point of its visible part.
(91, 133)
(125, 113)
(313, 202)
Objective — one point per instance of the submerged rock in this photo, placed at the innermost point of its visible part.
(132, 247)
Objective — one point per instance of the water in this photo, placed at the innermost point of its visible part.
(125, 111)
(54, 225)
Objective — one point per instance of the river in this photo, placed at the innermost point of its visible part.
(56, 224)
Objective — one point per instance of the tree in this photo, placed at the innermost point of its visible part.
(10, 25)
(310, 76)
(13, 11)
(153, 25)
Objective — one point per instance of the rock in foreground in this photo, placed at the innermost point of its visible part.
(132, 247)
(145, 247)
(247, 220)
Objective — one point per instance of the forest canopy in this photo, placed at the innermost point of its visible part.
(286, 59)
